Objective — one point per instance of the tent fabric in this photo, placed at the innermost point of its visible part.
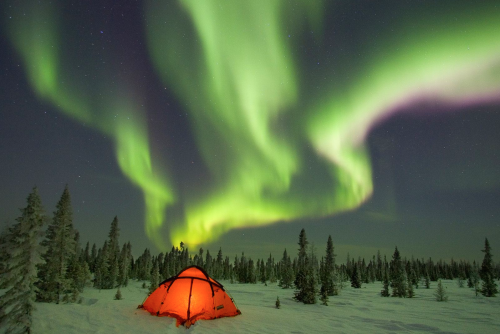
(189, 296)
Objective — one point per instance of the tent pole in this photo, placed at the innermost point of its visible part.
(189, 300)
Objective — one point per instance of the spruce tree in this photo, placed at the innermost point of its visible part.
(385, 279)
(309, 290)
(286, 272)
(398, 282)
(301, 277)
(323, 295)
(113, 255)
(356, 281)
(440, 293)
(487, 274)
(60, 244)
(410, 290)
(155, 278)
(473, 281)
(19, 274)
(328, 272)
(427, 281)
(101, 268)
(118, 295)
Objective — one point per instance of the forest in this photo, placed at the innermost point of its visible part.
(42, 260)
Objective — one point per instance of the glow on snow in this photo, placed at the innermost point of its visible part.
(234, 67)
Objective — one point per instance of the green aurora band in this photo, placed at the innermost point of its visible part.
(241, 81)
(36, 35)
(276, 150)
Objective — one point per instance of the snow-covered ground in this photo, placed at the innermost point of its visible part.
(353, 311)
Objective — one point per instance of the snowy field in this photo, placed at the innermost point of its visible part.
(353, 311)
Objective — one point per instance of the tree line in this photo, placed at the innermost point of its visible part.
(41, 260)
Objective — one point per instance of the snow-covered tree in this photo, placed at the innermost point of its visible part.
(487, 274)
(60, 245)
(19, 274)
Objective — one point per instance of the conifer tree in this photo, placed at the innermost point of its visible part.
(286, 272)
(440, 293)
(208, 263)
(328, 272)
(427, 281)
(251, 277)
(101, 268)
(385, 279)
(487, 274)
(301, 278)
(473, 281)
(323, 295)
(309, 290)
(78, 272)
(356, 281)
(60, 244)
(398, 282)
(93, 258)
(118, 295)
(124, 264)
(219, 265)
(113, 255)
(410, 291)
(19, 274)
(155, 278)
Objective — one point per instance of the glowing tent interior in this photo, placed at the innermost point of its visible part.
(189, 296)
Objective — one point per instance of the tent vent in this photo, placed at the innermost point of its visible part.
(220, 306)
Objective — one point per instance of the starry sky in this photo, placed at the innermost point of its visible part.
(234, 124)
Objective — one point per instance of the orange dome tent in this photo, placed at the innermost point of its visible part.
(190, 296)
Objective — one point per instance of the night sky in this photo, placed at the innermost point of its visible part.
(234, 124)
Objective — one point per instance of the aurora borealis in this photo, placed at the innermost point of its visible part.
(235, 114)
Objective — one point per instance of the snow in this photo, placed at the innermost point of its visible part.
(353, 311)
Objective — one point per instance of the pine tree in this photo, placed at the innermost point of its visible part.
(487, 274)
(60, 244)
(440, 293)
(19, 274)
